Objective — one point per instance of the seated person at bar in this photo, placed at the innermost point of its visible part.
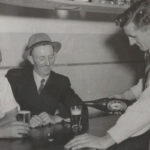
(39, 89)
(9, 127)
(131, 130)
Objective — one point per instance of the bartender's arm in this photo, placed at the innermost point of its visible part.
(132, 93)
(138, 115)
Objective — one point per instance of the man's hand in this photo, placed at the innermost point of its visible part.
(126, 95)
(36, 121)
(44, 119)
(47, 118)
(117, 96)
(14, 130)
(58, 119)
(90, 141)
(85, 140)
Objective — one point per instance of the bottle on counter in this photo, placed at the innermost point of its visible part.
(109, 105)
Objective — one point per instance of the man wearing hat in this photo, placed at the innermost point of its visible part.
(38, 88)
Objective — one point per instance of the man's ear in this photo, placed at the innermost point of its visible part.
(30, 59)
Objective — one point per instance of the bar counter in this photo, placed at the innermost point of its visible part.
(40, 139)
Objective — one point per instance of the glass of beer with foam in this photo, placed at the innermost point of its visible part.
(76, 114)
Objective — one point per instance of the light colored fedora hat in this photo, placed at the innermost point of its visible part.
(38, 39)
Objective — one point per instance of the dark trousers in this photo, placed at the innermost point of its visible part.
(136, 143)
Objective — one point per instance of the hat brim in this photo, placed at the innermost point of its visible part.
(56, 45)
(28, 50)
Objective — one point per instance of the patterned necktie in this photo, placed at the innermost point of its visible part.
(41, 85)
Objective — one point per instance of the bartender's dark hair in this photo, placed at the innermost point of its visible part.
(138, 13)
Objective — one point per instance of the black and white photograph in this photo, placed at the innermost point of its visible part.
(74, 74)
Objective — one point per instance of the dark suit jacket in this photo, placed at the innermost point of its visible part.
(57, 93)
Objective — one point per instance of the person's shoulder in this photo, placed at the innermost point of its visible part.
(19, 72)
(14, 72)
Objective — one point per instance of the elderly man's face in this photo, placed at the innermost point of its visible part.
(43, 58)
(139, 37)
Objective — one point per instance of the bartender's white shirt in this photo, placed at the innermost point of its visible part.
(136, 119)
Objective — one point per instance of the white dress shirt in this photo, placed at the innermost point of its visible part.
(137, 89)
(7, 100)
(136, 119)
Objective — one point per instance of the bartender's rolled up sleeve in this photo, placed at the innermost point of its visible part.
(134, 120)
(138, 88)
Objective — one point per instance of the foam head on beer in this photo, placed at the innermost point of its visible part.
(76, 110)
(76, 119)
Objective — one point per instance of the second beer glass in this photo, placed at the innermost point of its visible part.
(76, 113)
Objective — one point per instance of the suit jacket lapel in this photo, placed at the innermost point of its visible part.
(51, 84)
(29, 80)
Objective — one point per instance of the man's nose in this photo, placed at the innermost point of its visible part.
(132, 41)
(47, 61)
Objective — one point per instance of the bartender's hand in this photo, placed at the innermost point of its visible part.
(90, 141)
(14, 129)
(117, 96)
(126, 95)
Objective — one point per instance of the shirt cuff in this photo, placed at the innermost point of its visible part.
(114, 133)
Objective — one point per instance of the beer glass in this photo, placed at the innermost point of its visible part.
(24, 116)
(76, 112)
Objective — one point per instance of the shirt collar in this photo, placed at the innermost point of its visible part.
(38, 78)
